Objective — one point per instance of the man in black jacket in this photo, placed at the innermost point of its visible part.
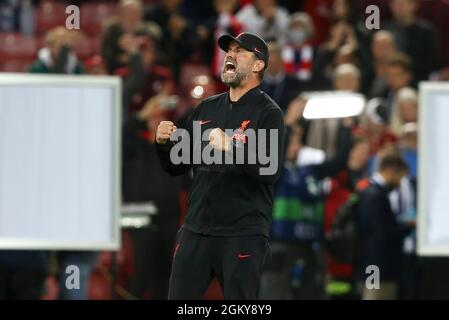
(415, 37)
(228, 222)
(381, 234)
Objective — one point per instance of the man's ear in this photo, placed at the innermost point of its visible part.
(258, 66)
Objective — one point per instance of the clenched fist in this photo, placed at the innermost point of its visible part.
(219, 140)
(164, 131)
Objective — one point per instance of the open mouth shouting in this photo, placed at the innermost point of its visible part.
(230, 75)
(230, 67)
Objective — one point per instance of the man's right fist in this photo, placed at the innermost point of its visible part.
(164, 131)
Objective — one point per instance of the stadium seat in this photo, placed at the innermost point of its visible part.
(50, 14)
(17, 46)
(15, 65)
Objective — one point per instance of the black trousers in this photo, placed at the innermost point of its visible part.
(236, 262)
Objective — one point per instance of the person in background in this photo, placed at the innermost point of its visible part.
(374, 126)
(405, 109)
(57, 56)
(347, 43)
(321, 12)
(403, 200)
(178, 35)
(381, 236)
(399, 75)
(296, 270)
(414, 37)
(408, 144)
(346, 77)
(346, 12)
(119, 35)
(162, 12)
(144, 180)
(340, 276)
(281, 87)
(266, 19)
(130, 49)
(144, 76)
(406, 209)
(224, 21)
(323, 132)
(298, 53)
(383, 48)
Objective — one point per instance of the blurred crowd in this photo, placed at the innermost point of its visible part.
(165, 52)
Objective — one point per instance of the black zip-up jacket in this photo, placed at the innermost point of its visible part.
(231, 199)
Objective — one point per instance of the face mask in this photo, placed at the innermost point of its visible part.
(297, 36)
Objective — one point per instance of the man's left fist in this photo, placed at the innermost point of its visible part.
(219, 140)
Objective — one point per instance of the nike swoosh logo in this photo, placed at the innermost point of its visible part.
(244, 256)
(205, 121)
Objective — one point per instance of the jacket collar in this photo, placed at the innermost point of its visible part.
(248, 97)
(378, 179)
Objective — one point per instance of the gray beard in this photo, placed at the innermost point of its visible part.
(234, 80)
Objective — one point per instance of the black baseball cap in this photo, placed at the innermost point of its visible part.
(248, 41)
